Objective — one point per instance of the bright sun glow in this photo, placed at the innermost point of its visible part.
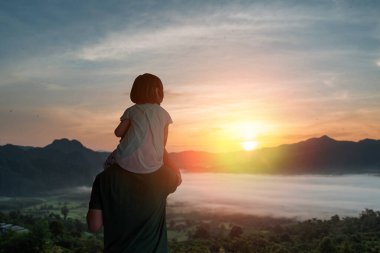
(249, 145)
(246, 135)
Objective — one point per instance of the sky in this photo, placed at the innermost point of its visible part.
(262, 72)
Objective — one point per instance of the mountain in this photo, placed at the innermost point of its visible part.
(63, 163)
(322, 155)
(67, 163)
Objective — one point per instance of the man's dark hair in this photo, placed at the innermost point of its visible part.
(147, 88)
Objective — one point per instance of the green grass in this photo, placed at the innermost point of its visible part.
(40, 206)
(180, 236)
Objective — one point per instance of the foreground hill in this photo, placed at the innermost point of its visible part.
(67, 163)
(188, 232)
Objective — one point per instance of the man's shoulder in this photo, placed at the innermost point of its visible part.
(111, 170)
(116, 171)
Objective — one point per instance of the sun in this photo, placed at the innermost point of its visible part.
(244, 135)
(249, 145)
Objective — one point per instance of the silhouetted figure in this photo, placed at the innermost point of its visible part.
(129, 197)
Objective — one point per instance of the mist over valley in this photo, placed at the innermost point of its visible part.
(67, 163)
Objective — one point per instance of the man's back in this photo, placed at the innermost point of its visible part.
(133, 208)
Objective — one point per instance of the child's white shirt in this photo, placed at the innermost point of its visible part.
(142, 148)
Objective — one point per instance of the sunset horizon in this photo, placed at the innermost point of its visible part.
(237, 75)
(248, 146)
(190, 126)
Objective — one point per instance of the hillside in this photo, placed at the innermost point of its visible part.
(67, 163)
(322, 155)
(61, 164)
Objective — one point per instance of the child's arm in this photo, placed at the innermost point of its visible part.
(122, 128)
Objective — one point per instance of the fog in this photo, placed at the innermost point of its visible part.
(301, 197)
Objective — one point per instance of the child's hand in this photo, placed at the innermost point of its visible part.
(122, 128)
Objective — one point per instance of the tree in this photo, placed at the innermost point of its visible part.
(279, 249)
(369, 221)
(236, 231)
(56, 228)
(346, 248)
(41, 236)
(326, 246)
(201, 232)
(91, 245)
(17, 242)
(37, 240)
(65, 211)
(335, 218)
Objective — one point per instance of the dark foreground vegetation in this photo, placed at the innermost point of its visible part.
(204, 233)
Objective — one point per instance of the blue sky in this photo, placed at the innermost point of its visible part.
(267, 71)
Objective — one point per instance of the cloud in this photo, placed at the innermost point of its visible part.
(219, 62)
(122, 44)
(248, 24)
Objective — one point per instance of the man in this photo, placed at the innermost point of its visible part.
(132, 209)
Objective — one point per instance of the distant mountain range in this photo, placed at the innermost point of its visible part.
(322, 155)
(61, 164)
(67, 163)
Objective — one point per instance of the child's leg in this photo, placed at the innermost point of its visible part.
(110, 160)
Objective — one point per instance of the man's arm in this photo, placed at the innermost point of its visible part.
(94, 220)
(95, 214)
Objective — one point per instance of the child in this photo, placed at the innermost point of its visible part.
(143, 129)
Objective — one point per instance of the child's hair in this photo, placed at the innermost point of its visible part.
(147, 88)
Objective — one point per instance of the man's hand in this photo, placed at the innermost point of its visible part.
(94, 220)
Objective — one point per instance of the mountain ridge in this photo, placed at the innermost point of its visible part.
(61, 164)
(323, 155)
(68, 163)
